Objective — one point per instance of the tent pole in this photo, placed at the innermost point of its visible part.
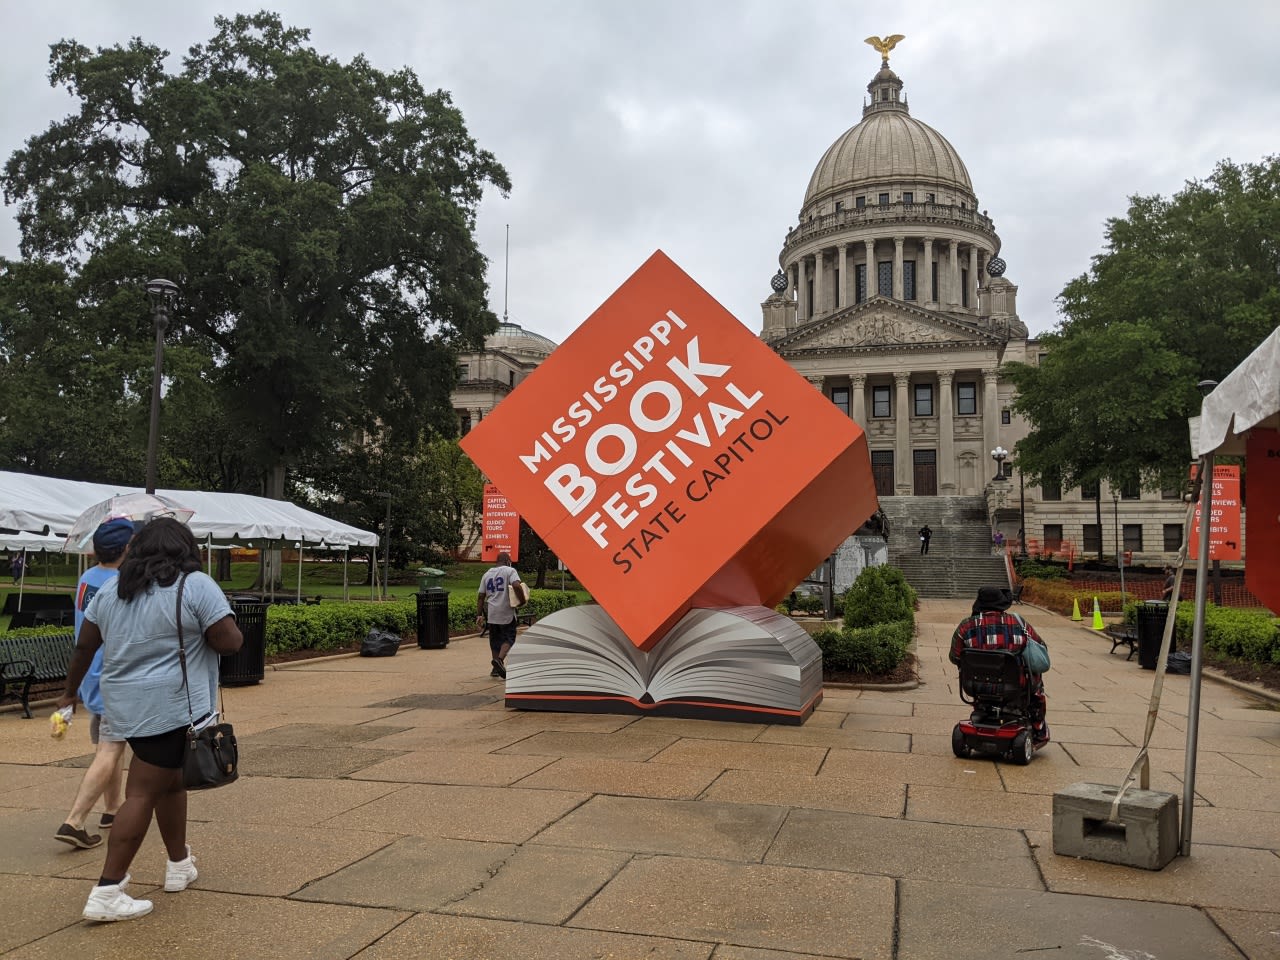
(22, 578)
(345, 553)
(373, 576)
(298, 596)
(1197, 655)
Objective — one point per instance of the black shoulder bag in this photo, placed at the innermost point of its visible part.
(212, 756)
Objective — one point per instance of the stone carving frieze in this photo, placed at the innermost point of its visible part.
(878, 330)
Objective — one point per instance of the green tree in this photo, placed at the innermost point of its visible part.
(318, 217)
(1184, 290)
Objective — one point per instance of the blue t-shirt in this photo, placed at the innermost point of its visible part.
(90, 583)
(141, 680)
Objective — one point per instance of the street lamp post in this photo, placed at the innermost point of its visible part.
(1115, 501)
(162, 294)
(999, 455)
(1022, 516)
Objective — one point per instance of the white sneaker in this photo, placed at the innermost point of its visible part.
(180, 874)
(110, 903)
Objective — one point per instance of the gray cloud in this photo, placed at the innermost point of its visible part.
(693, 127)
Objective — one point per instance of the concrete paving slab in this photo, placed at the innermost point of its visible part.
(1256, 934)
(749, 905)
(1239, 792)
(465, 938)
(912, 725)
(533, 721)
(626, 744)
(322, 734)
(939, 921)
(660, 781)
(979, 808)
(1213, 876)
(275, 799)
(273, 717)
(871, 797)
(446, 766)
(311, 763)
(496, 814)
(1051, 770)
(26, 839)
(482, 738)
(1171, 761)
(826, 718)
(197, 925)
(971, 773)
(21, 781)
(677, 727)
(271, 860)
(846, 738)
(412, 873)
(541, 884)
(1236, 828)
(727, 831)
(900, 848)
(28, 741)
(875, 703)
(445, 718)
(800, 760)
(730, 952)
(1261, 766)
(48, 904)
(932, 745)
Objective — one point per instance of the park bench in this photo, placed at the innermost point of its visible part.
(25, 661)
(1123, 633)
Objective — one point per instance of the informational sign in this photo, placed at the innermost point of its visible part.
(1262, 521)
(673, 460)
(1224, 518)
(500, 527)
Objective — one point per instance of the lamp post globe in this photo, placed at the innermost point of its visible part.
(999, 455)
(162, 294)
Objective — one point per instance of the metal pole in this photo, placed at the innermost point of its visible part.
(297, 598)
(1197, 651)
(1022, 516)
(153, 435)
(386, 552)
(1115, 501)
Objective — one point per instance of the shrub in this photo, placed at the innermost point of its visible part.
(879, 595)
(875, 649)
(1033, 570)
(1252, 635)
(1059, 595)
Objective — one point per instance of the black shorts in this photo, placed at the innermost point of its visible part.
(500, 635)
(161, 749)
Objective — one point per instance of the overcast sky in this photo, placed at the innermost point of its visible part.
(694, 126)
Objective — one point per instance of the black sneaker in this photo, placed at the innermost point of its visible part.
(498, 669)
(77, 837)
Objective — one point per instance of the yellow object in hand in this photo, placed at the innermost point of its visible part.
(58, 726)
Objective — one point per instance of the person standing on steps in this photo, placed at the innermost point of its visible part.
(925, 536)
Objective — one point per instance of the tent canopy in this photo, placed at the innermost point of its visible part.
(34, 504)
(1248, 397)
(32, 542)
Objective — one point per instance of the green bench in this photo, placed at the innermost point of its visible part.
(25, 661)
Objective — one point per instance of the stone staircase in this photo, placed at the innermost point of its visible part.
(959, 559)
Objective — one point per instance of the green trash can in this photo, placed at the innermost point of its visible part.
(429, 578)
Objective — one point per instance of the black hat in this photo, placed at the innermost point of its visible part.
(992, 598)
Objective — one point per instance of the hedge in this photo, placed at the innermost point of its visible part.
(1252, 635)
(879, 595)
(1059, 596)
(876, 649)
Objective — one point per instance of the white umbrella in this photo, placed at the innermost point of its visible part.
(130, 506)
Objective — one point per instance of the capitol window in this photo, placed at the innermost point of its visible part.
(859, 203)
(924, 400)
(967, 398)
(840, 397)
(839, 205)
(884, 199)
(880, 406)
(930, 198)
(908, 198)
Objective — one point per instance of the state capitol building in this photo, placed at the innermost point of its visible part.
(891, 299)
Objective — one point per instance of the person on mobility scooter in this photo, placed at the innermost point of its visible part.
(1008, 718)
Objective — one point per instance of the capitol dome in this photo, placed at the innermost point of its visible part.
(516, 340)
(889, 146)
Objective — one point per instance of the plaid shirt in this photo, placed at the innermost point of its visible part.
(992, 630)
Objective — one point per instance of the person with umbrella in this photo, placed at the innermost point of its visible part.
(152, 695)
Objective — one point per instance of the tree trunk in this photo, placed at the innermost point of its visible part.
(222, 563)
(269, 563)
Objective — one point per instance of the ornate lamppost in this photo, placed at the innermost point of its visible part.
(163, 294)
(999, 455)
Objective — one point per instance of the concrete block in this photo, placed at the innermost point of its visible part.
(1146, 835)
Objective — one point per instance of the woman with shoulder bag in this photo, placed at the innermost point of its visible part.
(135, 620)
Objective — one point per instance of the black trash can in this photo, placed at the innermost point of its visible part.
(433, 618)
(1151, 616)
(248, 664)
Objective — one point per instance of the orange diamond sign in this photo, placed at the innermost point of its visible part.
(672, 460)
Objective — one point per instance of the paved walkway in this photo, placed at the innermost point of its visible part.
(394, 809)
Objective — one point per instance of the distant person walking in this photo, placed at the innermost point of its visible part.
(925, 536)
(16, 564)
(494, 607)
(1169, 581)
(103, 778)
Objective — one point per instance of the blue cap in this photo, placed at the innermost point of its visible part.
(113, 535)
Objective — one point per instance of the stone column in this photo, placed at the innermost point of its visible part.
(819, 282)
(897, 267)
(871, 267)
(846, 288)
(803, 307)
(946, 436)
(928, 271)
(990, 410)
(973, 275)
(859, 407)
(816, 380)
(953, 278)
(792, 286)
(902, 435)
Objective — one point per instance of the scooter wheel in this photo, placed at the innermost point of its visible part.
(958, 746)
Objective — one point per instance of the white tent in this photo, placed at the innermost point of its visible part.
(35, 504)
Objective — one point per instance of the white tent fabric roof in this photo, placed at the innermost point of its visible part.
(30, 503)
(31, 541)
(1248, 397)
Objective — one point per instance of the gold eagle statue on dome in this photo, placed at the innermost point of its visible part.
(883, 45)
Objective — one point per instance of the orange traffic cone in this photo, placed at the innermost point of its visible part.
(1075, 610)
(1097, 615)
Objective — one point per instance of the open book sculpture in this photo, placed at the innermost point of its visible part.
(736, 663)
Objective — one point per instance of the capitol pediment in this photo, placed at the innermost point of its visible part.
(882, 323)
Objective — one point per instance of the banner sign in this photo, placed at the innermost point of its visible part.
(1262, 519)
(673, 460)
(1224, 518)
(500, 527)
